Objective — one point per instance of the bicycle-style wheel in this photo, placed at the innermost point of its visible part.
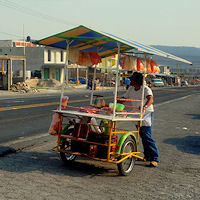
(126, 166)
(66, 146)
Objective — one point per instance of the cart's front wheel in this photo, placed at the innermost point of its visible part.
(66, 146)
(126, 166)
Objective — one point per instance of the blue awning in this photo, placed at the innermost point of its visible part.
(90, 40)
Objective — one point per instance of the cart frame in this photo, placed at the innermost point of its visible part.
(114, 154)
(116, 149)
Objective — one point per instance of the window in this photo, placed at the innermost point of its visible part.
(61, 56)
(49, 55)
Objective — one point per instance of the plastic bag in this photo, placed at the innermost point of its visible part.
(140, 66)
(54, 127)
(154, 66)
(94, 126)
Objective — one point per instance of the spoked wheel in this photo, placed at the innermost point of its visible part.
(66, 146)
(126, 166)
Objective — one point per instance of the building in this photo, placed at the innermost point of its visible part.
(34, 54)
(164, 69)
(42, 62)
(189, 73)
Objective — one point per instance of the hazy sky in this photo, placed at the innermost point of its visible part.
(153, 22)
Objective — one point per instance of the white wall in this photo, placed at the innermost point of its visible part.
(55, 56)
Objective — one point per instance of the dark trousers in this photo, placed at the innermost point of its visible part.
(149, 145)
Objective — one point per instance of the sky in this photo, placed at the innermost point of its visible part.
(152, 22)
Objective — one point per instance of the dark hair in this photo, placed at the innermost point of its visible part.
(137, 77)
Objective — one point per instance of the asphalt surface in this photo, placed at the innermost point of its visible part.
(26, 115)
(35, 172)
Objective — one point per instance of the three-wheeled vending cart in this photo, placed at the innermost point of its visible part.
(92, 131)
(80, 134)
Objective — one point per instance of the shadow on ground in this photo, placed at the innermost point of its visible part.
(188, 144)
(194, 116)
(50, 163)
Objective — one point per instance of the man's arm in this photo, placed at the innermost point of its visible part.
(149, 101)
(125, 96)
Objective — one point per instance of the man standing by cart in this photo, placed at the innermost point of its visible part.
(135, 92)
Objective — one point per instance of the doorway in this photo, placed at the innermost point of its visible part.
(58, 74)
(46, 73)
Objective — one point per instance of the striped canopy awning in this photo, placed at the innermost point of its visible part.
(90, 40)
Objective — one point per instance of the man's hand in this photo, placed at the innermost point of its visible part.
(143, 108)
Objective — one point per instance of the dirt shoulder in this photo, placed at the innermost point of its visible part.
(37, 172)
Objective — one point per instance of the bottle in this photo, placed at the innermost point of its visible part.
(99, 104)
(103, 104)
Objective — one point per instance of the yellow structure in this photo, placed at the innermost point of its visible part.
(109, 62)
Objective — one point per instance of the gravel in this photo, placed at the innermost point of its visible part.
(36, 172)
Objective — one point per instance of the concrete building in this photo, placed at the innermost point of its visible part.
(189, 73)
(43, 62)
(164, 69)
(34, 54)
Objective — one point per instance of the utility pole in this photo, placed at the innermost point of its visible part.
(106, 73)
(177, 72)
(24, 40)
(24, 64)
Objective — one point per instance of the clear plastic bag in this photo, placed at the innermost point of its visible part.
(54, 127)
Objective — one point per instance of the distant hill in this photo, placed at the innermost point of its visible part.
(189, 53)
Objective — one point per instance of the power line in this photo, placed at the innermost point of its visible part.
(28, 11)
(4, 33)
(31, 12)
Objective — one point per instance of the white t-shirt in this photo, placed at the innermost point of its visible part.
(137, 95)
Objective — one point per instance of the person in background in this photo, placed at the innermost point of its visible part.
(149, 84)
(135, 92)
(127, 83)
(89, 83)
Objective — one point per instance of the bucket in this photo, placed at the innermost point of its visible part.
(119, 106)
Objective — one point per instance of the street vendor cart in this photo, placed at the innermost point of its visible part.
(92, 131)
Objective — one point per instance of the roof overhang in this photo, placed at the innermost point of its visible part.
(90, 40)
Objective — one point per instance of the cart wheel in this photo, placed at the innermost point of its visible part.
(66, 145)
(126, 166)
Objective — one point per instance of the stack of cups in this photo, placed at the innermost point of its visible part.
(64, 102)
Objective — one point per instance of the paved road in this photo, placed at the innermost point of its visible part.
(28, 115)
(37, 172)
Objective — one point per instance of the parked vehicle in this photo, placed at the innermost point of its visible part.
(184, 83)
(157, 82)
(81, 80)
